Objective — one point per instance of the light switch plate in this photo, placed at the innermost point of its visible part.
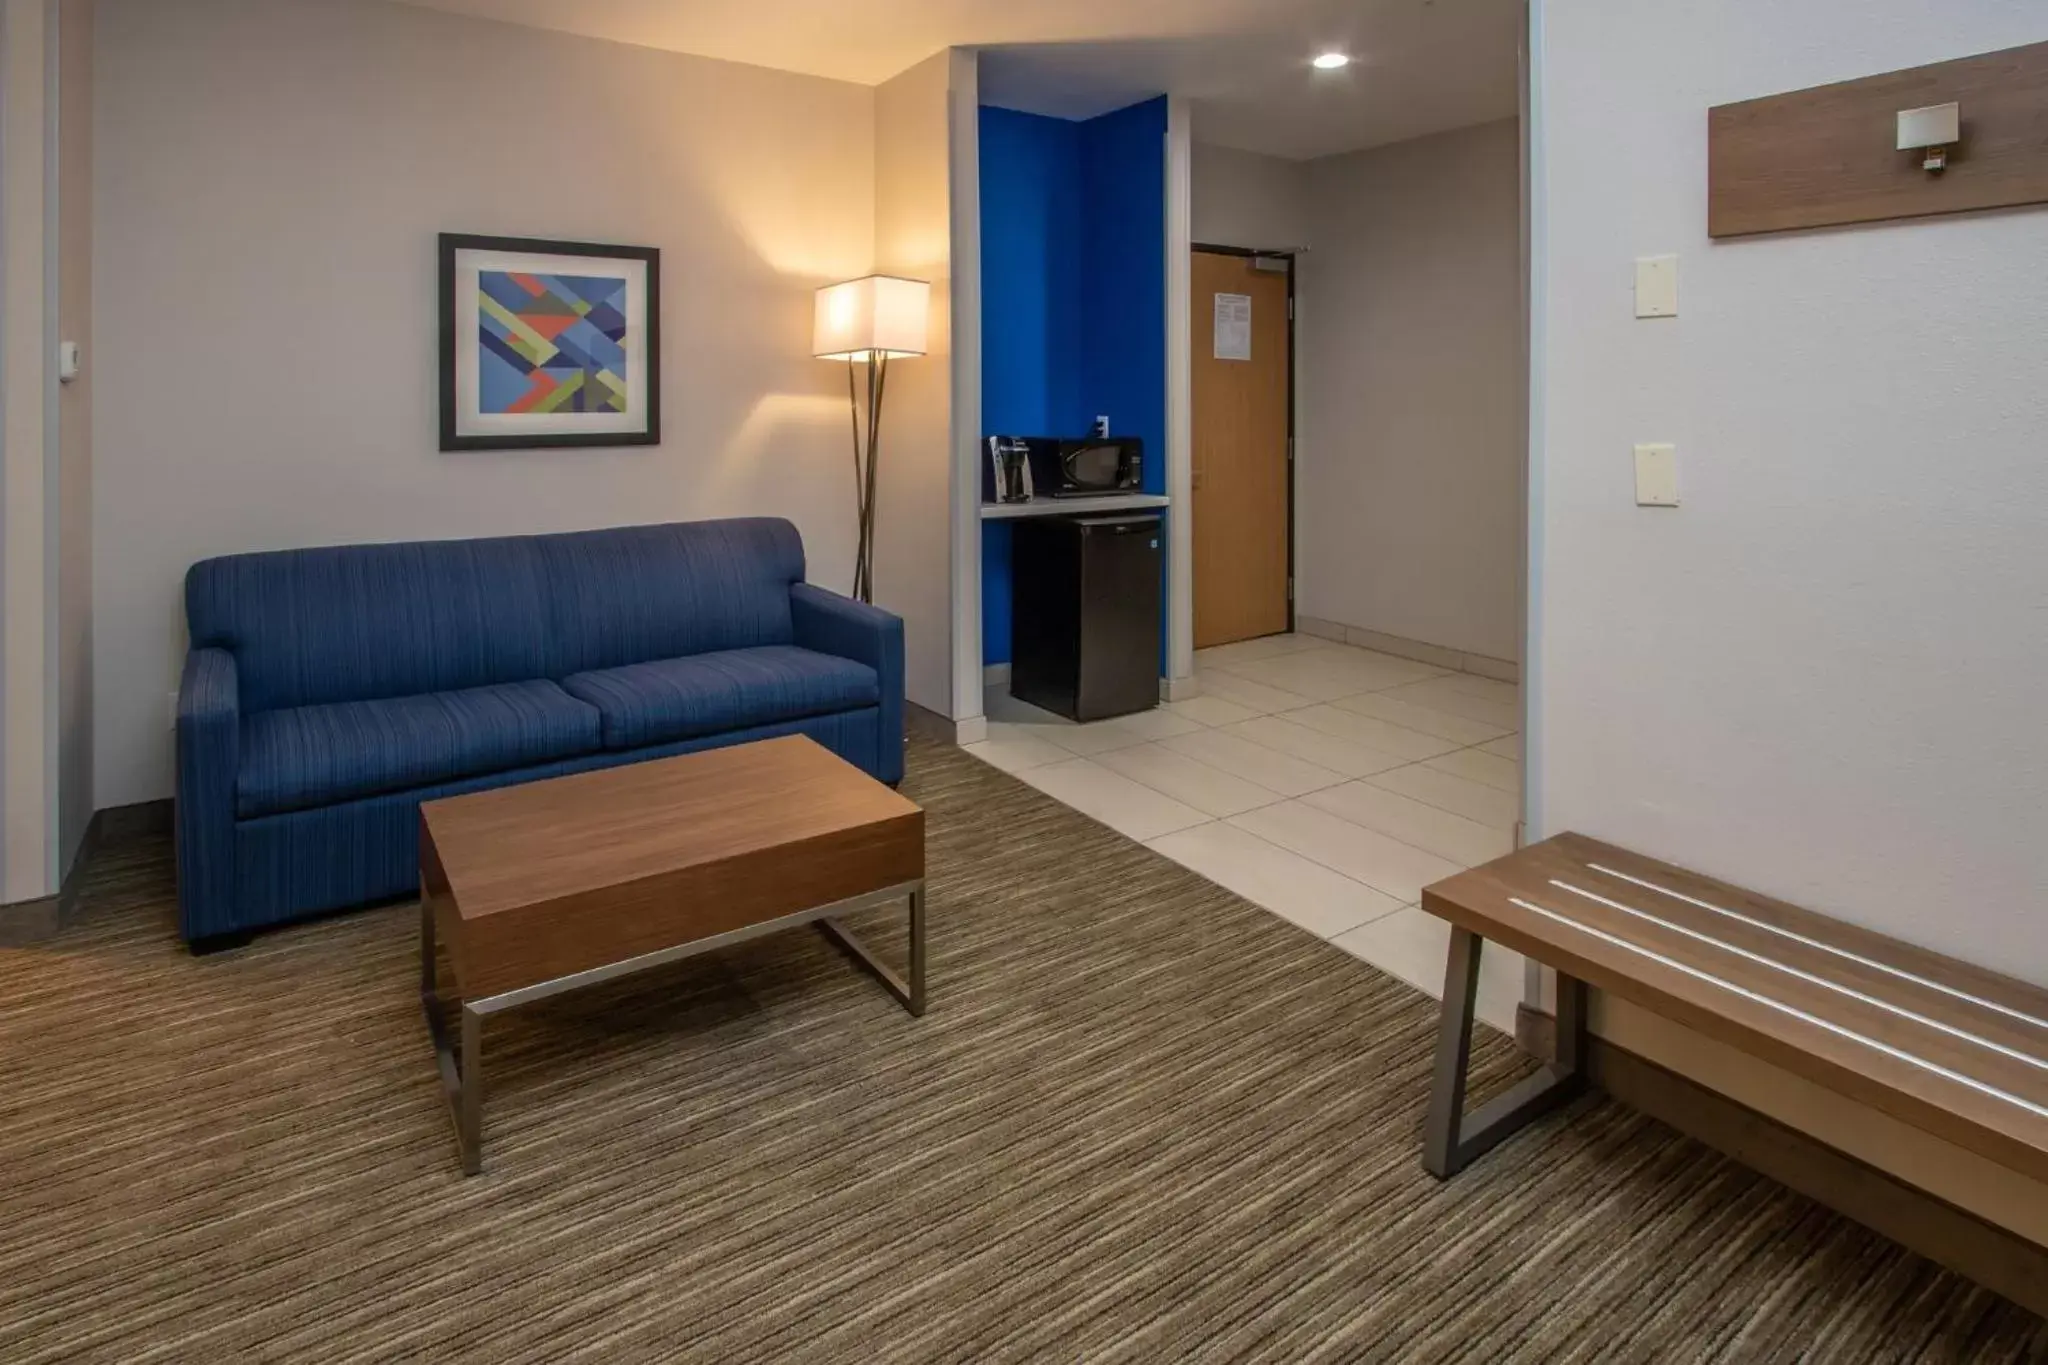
(1656, 476)
(1656, 286)
(1936, 125)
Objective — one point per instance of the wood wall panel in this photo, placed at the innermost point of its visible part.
(1826, 156)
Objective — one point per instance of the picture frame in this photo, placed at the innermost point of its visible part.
(548, 344)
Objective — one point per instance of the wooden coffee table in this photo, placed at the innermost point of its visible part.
(555, 885)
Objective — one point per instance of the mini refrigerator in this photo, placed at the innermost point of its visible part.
(1085, 613)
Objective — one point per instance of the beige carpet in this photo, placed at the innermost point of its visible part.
(1144, 1121)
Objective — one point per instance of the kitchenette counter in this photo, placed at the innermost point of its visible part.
(1072, 507)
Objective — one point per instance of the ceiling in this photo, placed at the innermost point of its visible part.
(1421, 66)
(1417, 68)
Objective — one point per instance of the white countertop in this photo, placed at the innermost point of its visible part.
(1071, 507)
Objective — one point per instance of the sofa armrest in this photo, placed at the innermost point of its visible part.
(831, 624)
(209, 756)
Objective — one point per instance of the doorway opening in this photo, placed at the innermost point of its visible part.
(1242, 476)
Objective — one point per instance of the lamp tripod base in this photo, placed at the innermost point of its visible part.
(864, 465)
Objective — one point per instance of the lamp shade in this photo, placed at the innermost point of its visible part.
(880, 315)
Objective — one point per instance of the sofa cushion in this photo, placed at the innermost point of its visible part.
(638, 594)
(317, 755)
(670, 699)
(361, 622)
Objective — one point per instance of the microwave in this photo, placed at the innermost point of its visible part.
(1088, 467)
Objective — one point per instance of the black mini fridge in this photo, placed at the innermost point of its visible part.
(1084, 596)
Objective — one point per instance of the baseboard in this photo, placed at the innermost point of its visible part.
(930, 725)
(126, 822)
(1458, 660)
(1994, 1257)
(29, 922)
(1500, 670)
(1535, 1031)
(926, 724)
(1170, 689)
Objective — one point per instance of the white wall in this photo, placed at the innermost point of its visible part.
(1408, 500)
(1245, 199)
(1822, 675)
(914, 511)
(270, 177)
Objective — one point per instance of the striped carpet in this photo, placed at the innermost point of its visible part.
(1144, 1121)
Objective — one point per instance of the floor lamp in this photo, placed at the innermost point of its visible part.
(875, 319)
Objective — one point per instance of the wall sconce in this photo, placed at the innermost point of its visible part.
(1932, 131)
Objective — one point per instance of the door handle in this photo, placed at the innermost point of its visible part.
(1195, 481)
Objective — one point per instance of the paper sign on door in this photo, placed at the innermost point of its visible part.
(1233, 326)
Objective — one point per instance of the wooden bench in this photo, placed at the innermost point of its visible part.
(1956, 1051)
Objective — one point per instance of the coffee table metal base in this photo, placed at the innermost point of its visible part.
(461, 1060)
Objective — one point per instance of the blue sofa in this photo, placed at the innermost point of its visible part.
(328, 692)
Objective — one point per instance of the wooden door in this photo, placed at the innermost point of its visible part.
(1241, 511)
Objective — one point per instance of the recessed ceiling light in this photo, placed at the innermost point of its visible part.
(1330, 61)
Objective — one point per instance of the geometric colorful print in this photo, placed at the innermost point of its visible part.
(550, 343)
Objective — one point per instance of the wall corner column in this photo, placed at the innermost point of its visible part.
(1180, 542)
(964, 108)
(28, 432)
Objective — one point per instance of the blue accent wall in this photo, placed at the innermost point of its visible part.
(1031, 258)
(1123, 279)
(1073, 290)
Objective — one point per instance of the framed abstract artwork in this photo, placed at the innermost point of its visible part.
(548, 344)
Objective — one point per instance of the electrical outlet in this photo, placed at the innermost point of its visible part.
(1657, 287)
(1657, 475)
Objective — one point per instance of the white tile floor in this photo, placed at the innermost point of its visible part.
(1327, 783)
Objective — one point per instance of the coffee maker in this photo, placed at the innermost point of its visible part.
(1009, 470)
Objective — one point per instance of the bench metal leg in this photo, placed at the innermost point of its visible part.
(1453, 1139)
(910, 993)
